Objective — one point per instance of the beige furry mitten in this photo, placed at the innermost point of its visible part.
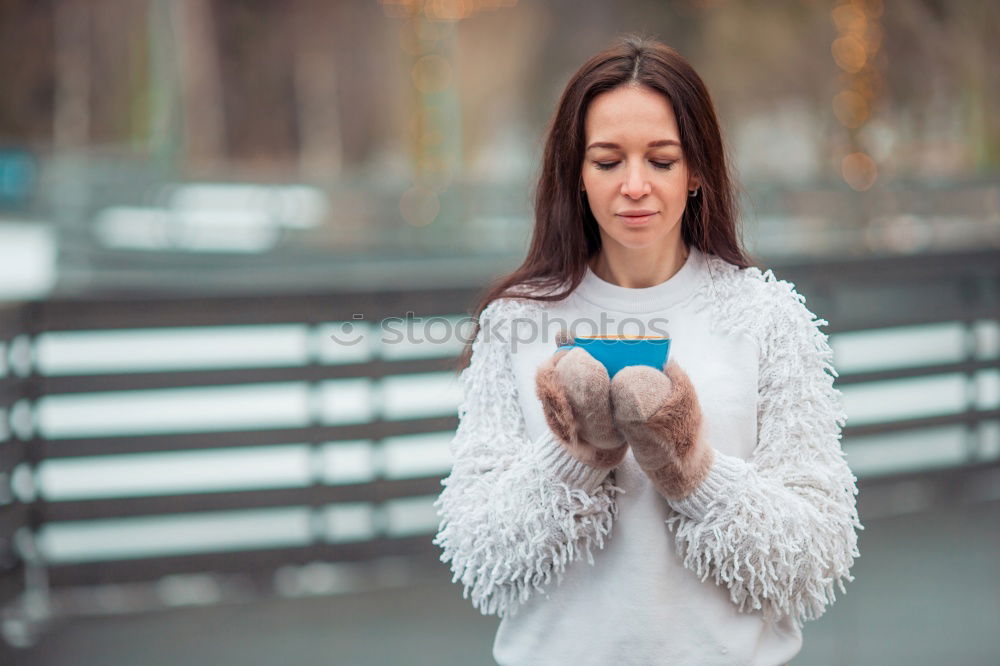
(575, 392)
(660, 417)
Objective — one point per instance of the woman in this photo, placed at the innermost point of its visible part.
(697, 514)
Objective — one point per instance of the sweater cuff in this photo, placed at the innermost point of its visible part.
(721, 483)
(560, 464)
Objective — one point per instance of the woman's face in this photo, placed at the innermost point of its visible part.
(634, 162)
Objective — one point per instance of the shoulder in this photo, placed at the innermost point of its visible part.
(752, 286)
(749, 283)
(507, 319)
(521, 301)
(505, 310)
(772, 308)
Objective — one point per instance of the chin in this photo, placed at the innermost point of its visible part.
(639, 240)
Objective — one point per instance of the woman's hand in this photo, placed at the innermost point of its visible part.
(575, 392)
(660, 417)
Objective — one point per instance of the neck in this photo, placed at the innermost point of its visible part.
(638, 269)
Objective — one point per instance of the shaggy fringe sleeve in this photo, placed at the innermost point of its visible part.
(779, 528)
(514, 511)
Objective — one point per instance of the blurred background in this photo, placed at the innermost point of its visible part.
(239, 240)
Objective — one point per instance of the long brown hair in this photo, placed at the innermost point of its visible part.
(566, 235)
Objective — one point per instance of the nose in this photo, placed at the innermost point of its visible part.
(635, 186)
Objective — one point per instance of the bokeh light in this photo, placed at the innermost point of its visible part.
(849, 53)
(867, 81)
(449, 10)
(851, 108)
(849, 18)
(441, 10)
(858, 42)
(859, 171)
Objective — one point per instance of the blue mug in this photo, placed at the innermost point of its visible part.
(615, 352)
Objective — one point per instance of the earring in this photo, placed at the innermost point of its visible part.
(694, 192)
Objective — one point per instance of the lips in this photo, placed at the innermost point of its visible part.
(636, 218)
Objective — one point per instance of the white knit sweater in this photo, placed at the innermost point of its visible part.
(726, 575)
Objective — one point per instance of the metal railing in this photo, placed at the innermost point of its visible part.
(879, 293)
(853, 294)
(14, 514)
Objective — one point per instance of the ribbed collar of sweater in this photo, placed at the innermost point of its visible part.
(673, 291)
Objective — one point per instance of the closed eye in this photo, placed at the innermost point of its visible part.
(604, 166)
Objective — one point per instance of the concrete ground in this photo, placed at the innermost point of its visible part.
(927, 591)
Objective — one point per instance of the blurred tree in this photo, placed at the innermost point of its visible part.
(27, 72)
(196, 45)
(318, 88)
(944, 84)
(315, 65)
(73, 76)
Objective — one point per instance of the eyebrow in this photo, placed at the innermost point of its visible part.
(652, 144)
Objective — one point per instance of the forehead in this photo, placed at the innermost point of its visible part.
(630, 114)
